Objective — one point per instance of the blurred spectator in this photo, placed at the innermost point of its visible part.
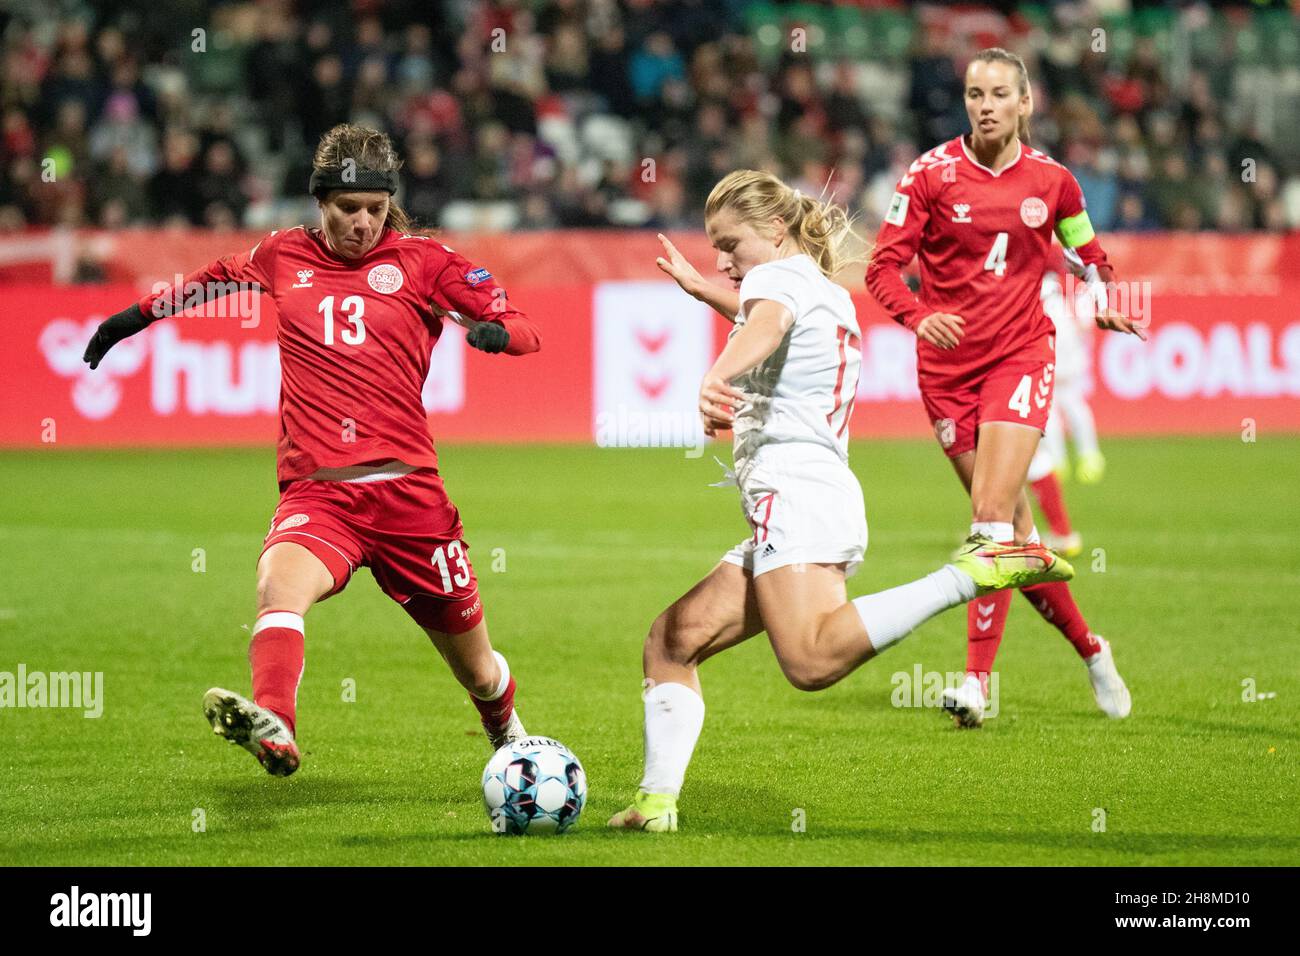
(655, 64)
(173, 191)
(549, 109)
(122, 128)
(1133, 215)
(117, 193)
(1097, 179)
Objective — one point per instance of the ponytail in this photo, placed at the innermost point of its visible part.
(821, 229)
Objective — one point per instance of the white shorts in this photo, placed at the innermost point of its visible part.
(804, 506)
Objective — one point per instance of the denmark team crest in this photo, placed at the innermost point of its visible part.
(1033, 212)
(385, 278)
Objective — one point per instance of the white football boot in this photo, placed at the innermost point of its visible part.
(966, 702)
(512, 731)
(1107, 686)
(259, 731)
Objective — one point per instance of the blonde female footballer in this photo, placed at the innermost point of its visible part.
(784, 385)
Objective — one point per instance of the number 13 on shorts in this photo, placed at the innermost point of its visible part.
(454, 551)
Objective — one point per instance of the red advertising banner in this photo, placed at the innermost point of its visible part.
(623, 350)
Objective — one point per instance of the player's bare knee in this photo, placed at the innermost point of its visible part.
(269, 594)
(806, 672)
(678, 638)
(482, 681)
(808, 678)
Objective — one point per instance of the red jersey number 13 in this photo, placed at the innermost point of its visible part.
(352, 309)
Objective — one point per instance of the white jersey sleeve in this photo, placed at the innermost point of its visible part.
(776, 283)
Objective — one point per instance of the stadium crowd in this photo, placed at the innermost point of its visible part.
(528, 114)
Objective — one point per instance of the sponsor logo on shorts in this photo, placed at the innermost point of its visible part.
(293, 521)
(475, 276)
(767, 551)
(1033, 212)
(945, 429)
(385, 278)
(469, 611)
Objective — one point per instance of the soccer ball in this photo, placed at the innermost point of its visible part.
(534, 785)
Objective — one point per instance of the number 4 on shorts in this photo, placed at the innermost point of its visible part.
(1019, 401)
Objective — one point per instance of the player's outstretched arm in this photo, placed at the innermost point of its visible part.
(725, 302)
(897, 244)
(765, 327)
(115, 328)
(1083, 248)
(216, 279)
(470, 296)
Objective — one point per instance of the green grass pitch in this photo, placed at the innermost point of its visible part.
(1198, 594)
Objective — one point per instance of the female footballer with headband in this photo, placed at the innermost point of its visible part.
(981, 210)
(361, 300)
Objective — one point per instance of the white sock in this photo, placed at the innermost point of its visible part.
(889, 616)
(999, 531)
(674, 716)
(504, 682)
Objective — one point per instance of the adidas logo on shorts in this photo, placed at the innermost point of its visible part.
(767, 551)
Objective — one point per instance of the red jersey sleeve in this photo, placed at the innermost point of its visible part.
(896, 246)
(1075, 230)
(460, 286)
(223, 277)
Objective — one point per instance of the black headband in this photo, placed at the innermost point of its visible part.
(363, 180)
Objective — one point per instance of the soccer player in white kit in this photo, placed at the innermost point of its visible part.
(784, 385)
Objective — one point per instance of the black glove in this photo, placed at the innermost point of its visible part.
(488, 337)
(112, 330)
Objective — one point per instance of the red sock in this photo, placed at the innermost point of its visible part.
(276, 653)
(1055, 602)
(986, 618)
(495, 713)
(1048, 492)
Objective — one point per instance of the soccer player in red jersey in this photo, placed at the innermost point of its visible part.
(361, 302)
(981, 210)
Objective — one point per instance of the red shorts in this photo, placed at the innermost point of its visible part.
(1017, 389)
(406, 530)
